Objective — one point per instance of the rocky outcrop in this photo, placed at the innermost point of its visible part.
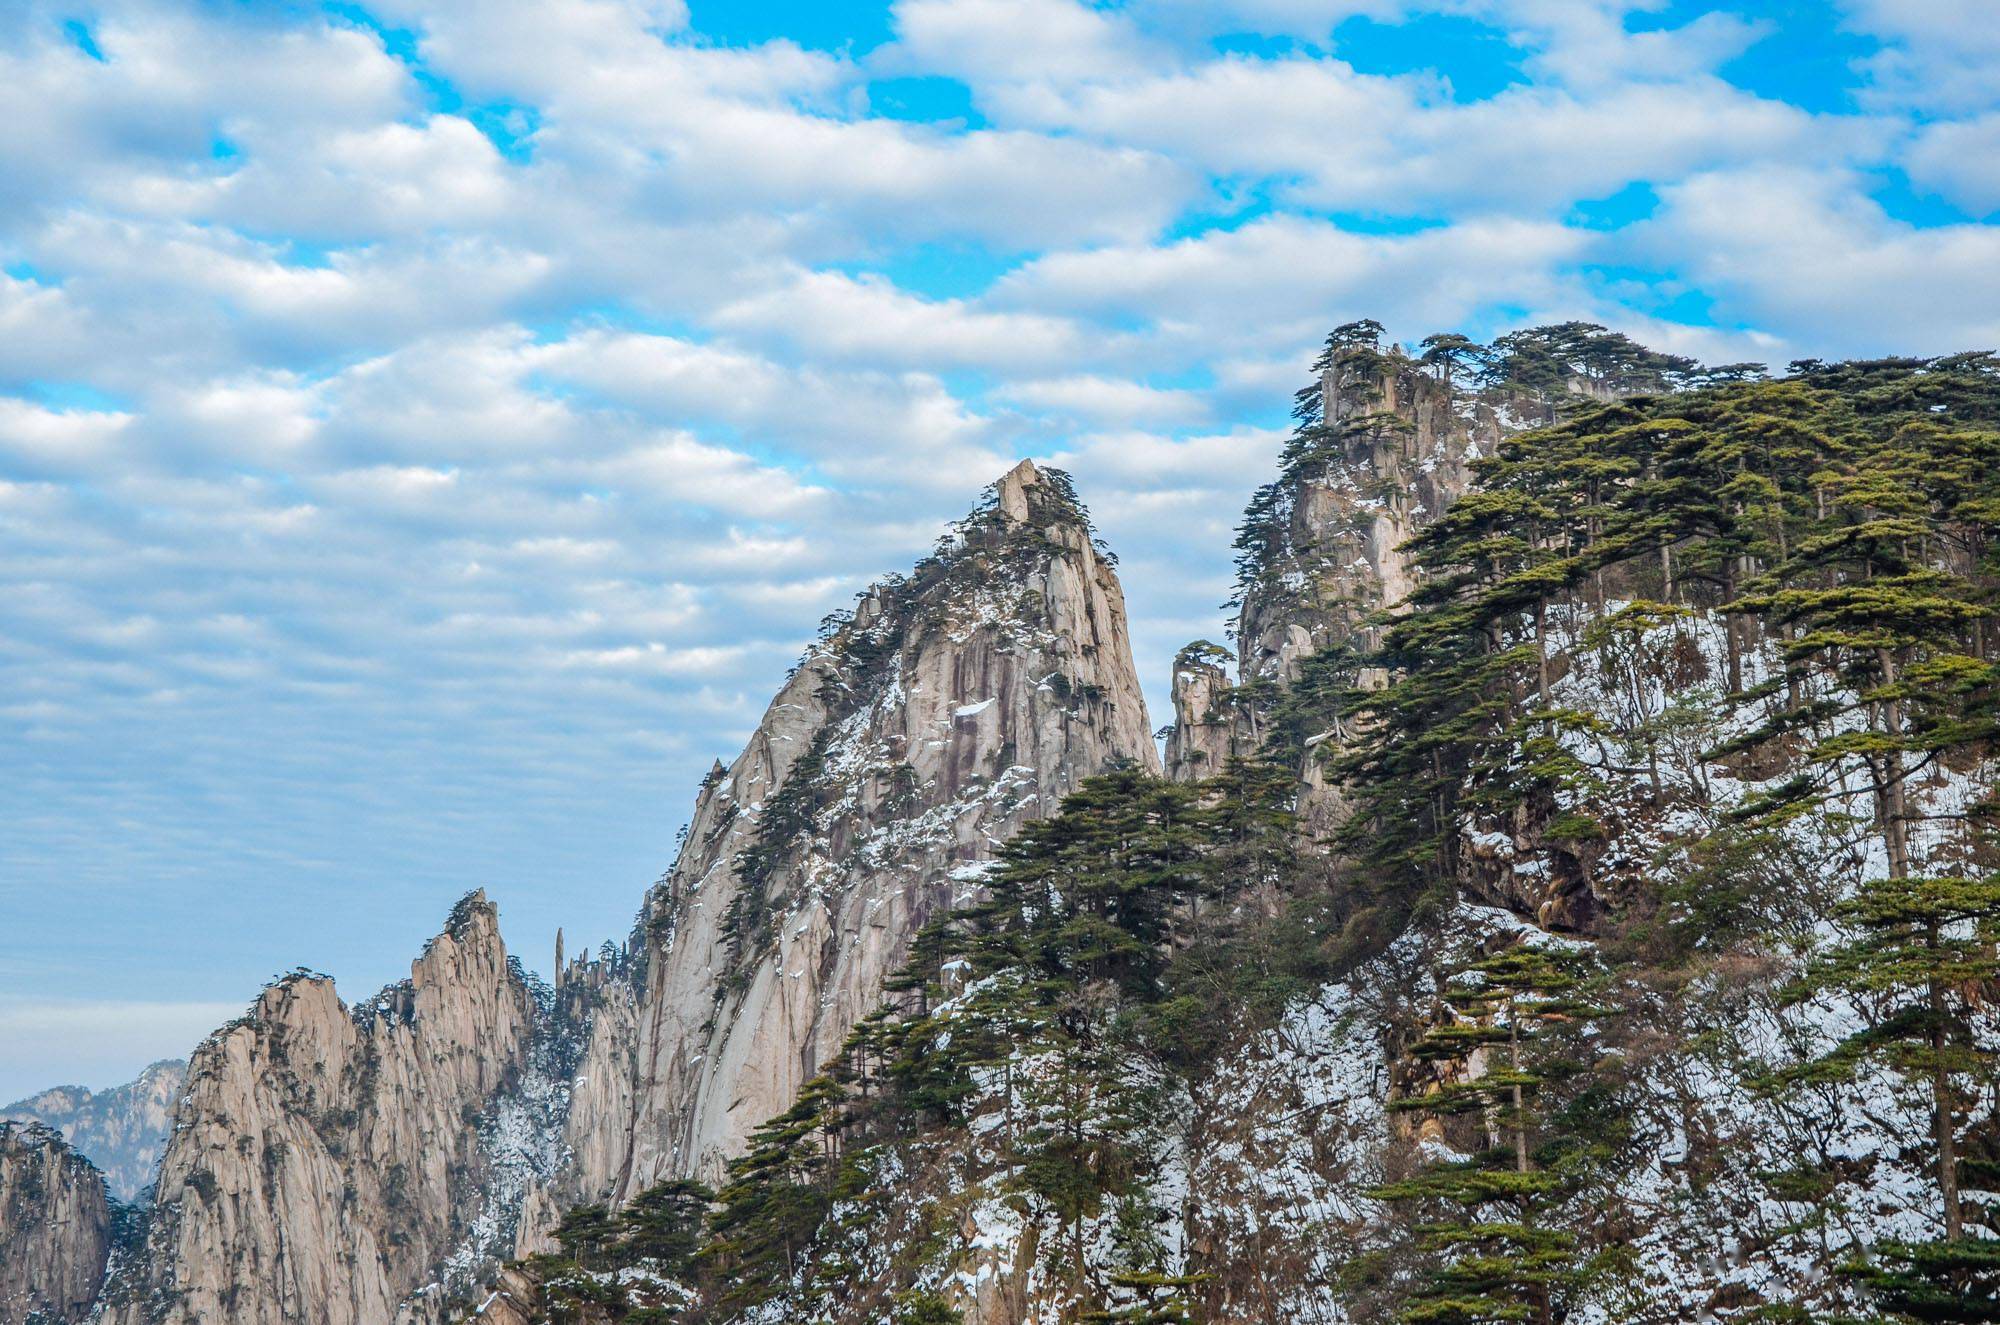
(122, 1130)
(1389, 445)
(1393, 451)
(1323, 564)
(55, 1228)
(1212, 723)
(326, 1161)
(915, 737)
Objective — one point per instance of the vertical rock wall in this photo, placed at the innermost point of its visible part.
(55, 1228)
(1212, 723)
(1396, 451)
(914, 739)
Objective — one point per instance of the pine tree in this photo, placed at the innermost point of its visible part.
(1922, 948)
(777, 1195)
(586, 1233)
(666, 1224)
(1954, 1282)
(1511, 1037)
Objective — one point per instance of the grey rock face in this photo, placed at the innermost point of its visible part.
(55, 1227)
(1212, 722)
(325, 1161)
(1397, 452)
(954, 705)
(123, 1131)
(1393, 451)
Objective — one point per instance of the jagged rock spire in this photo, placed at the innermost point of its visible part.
(326, 1161)
(953, 705)
(1011, 492)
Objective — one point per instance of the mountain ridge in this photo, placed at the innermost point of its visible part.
(1542, 681)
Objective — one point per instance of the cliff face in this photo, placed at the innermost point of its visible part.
(326, 1161)
(1393, 452)
(1389, 446)
(917, 736)
(1321, 559)
(55, 1228)
(1211, 722)
(122, 1130)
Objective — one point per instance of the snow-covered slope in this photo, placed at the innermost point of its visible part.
(1720, 1198)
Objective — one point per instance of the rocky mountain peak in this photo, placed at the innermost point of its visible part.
(328, 1161)
(951, 705)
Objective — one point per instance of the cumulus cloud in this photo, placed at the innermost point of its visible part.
(1092, 398)
(1960, 159)
(1796, 252)
(1281, 281)
(1940, 55)
(429, 428)
(58, 441)
(868, 319)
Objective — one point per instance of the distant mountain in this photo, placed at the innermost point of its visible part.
(123, 1130)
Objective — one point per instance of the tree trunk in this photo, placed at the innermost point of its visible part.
(1947, 1142)
(1895, 820)
(1542, 652)
(1731, 623)
(1520, 1106)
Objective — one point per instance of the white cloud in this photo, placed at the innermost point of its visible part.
(1107, 399)
(1023, 42)
(1798, 253)
(849, 420)
(354, 184)
(869, 320)
(701, 131)
(58, 441)
(1279, 283)
(1961, 160)
(655, 658)
(1943, 55)
(1335, 138)
(677, 468)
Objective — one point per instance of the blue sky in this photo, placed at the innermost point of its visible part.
(428, 430)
